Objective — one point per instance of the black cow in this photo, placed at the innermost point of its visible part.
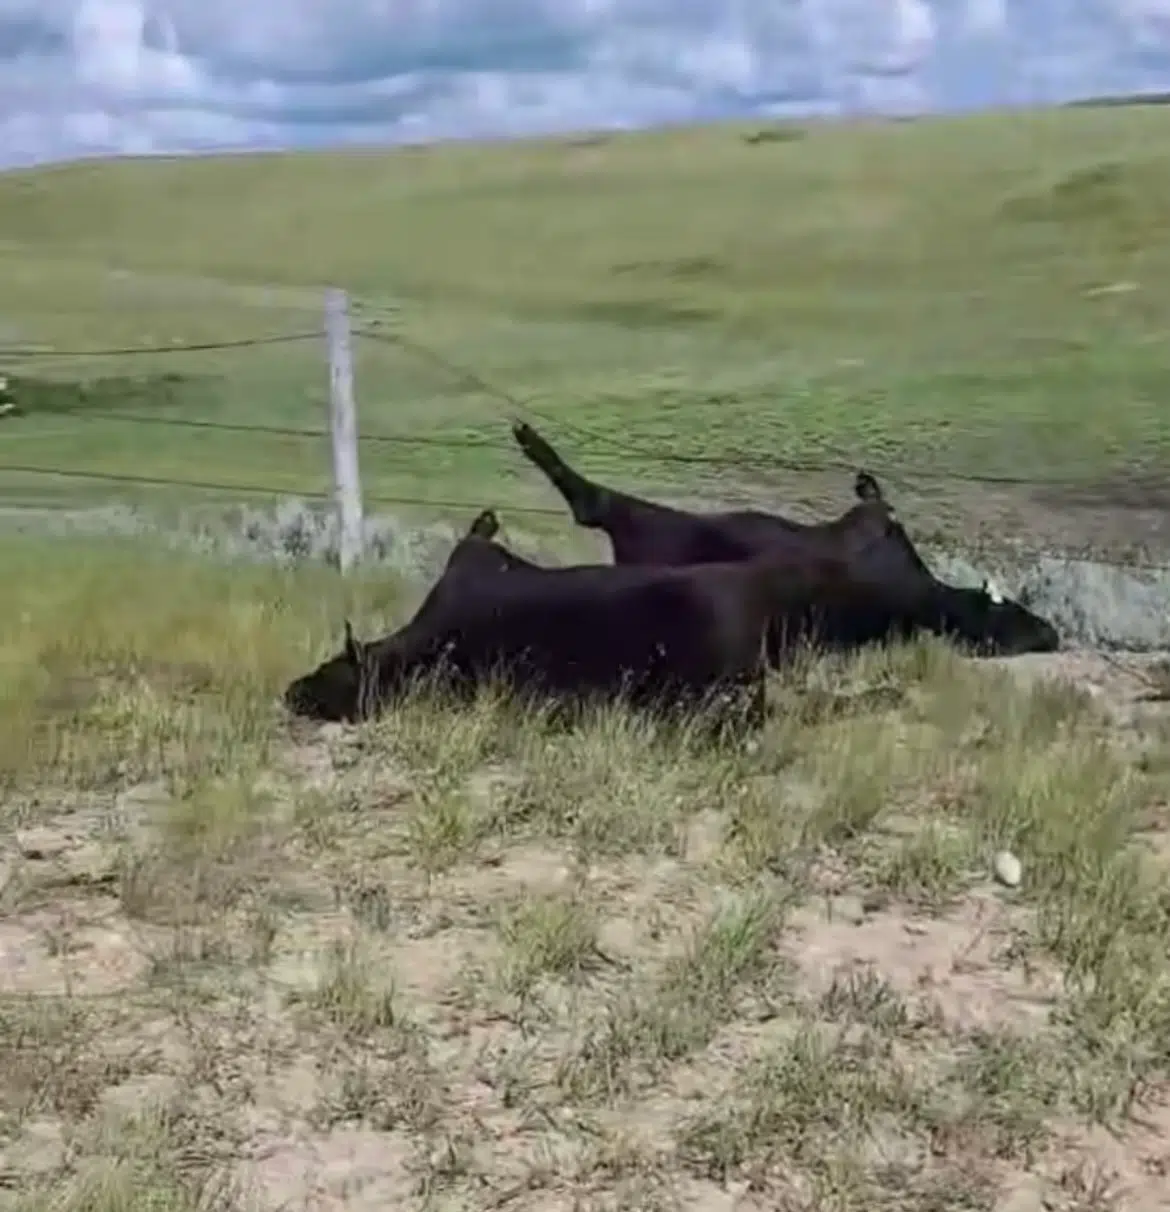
(868, 537)
(663, 638)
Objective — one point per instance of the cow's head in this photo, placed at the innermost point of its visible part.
(995, 625)
(341, 689)
(985, 618)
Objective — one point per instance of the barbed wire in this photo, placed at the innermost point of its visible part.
(425, 352)
(28, 353)
(456, 370)
(625, 448)
(129, 479)
(755, 463)
(759, 463)
(459, 372)
(445, 441)
(277, 431)
(221, 486)
(111, 477)
(464, 374)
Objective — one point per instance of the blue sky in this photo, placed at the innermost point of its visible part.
(87, 77)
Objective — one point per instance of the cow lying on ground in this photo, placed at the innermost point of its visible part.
(867, 537)
(662, 638)
(877, 609)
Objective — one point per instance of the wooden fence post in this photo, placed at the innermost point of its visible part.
(343, 428)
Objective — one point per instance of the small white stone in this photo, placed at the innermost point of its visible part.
(1007, 869)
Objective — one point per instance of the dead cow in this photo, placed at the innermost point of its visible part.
(664, 639)
(868, 538)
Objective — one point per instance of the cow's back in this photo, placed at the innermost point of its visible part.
(601, 627)
(675, 538)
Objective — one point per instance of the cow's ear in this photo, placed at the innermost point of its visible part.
(866, 487)
(993, 592)
(353, 652)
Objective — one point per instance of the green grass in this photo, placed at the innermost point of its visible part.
(456, 958)
(984, 294)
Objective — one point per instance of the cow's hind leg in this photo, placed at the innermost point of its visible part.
(587, 501)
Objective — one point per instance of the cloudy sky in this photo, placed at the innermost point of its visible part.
(84, 77)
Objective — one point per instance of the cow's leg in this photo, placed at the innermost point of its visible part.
(485, 526)
(587, 501)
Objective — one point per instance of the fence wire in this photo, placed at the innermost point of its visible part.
(513, 407)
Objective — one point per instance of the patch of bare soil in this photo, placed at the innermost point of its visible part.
(961, 967)
(72, 948)
(1084, 1168)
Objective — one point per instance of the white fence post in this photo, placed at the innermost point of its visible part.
(343, 428)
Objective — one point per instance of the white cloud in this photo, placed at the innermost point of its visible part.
(83, 77)
(984, 18)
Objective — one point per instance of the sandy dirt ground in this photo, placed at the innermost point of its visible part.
(322, 1019)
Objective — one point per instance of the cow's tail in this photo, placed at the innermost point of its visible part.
(585, 499)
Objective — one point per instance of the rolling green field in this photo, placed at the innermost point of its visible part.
(985, 295)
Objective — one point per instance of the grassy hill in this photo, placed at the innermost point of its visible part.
(465, 957)
(978, 295)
